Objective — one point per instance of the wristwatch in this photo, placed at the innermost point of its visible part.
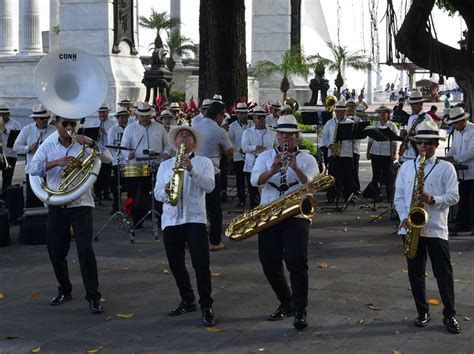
(432, 201)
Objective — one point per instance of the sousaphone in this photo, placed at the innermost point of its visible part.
(72, 84)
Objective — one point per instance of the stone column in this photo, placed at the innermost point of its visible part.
(175, 11)
(30, 38)
(6, 27)
(53, 25)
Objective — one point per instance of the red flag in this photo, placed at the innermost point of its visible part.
(192, 105)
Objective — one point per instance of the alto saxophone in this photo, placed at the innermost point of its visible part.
(336, 145)
(176, 183)
(417, 216)
(300, 201)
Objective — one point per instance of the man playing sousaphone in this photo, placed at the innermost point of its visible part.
(280, 171)
(184, 218)
(52, 157)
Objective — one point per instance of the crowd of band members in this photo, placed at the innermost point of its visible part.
(211, 140)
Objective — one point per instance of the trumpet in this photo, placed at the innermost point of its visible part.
(184, 118)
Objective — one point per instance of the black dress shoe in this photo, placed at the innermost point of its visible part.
(300, 321)
(95, 306)
(208, 318)
(60, 299)
(281, 313)
(452, 325)
(422, 320)
(183, 308)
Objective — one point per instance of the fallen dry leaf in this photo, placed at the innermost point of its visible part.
(459, 253)
(321, 243)
(125, 315)
(373, 307)
(360, 321)
(37, 349)
(93, 351)
(213, 329)
(433, 302)
(457, 280)
(216, 274)
(2, 296)
(108, 318)
(345, 229)
(397, 332)
(396, 352)
(10, 337)
(35, 295)
(125, 268)
(103, 299)
(141, 249)
(466, 318)
(404, 270)
(323, 265)
(165, 271)
(373, 216)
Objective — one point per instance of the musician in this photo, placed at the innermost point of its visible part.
(255, 140)
(216, 143)
(287, 240)
(104, 123)
(351, 114)
(174, 109)
(236, 130)
(185, 223)
(417, 116)
(383, 153)
(114, 137)
(50, 160)
(272, 118)
(127, 105)
(30, 138)
(462, 152)
(7, 124)
(166, 119)
(340, 155)
(144, 139)
(439, 193)
(200, 116)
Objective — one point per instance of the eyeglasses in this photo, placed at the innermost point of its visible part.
(43, 118)
(66, 123)
(426, 142)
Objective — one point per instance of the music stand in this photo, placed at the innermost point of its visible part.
(118, 214)
(12, 137)
(92, 133)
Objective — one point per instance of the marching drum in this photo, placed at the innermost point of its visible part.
(136, 170)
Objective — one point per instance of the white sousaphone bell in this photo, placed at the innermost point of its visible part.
(72, 84)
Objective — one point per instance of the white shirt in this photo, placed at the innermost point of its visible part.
(462, 149)
(191, 207)
(236, 130)
(328, 136)
(252, 137)
(9, 126)
(410, 153)
(196, 119)
(270, 120)
(97, 123)
(440, 182)
(383, 148)
(151, 137)
(52, 150)
(356, 143)
(305, 161)
(114, 137)
(30, 134)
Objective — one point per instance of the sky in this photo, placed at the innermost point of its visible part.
(354, 30)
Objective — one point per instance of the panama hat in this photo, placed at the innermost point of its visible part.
(4, 108)
(144, 109)
(206, 103)
(276, 105)
(174, 106)
(383, 108)
(416, 97)
(103, 108)
(241, 107)
(340, 106)
(217, 98)
(259, 111)
(174, 131)
(351, 102)
(287, 123)
(427, 130)
(122, 113)
(165, 113)
(456, 114)
(40, 111)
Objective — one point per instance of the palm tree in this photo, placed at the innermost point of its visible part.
(177, 44)
(293, 61)
(158, 21)
(341, 59)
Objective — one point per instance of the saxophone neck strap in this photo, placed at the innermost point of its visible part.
(431, 170)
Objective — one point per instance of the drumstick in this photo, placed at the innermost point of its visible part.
(136, 147)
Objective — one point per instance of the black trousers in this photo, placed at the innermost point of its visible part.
(175, 239)
(224, 168)
(341, 169)
(7, 174)
(253, 192)
(382, 172)
(140, 188)
(355, 170)
(465, 207)
(438, 250)
(214, 212)
(32, 200)
(286, 241)
(58, 241)
(103, 182)
(240, 180)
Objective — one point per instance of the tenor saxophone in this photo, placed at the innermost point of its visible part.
(417, 216)
(176, 183)
(300, 201)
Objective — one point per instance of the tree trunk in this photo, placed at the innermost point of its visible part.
(222, 54)
(418, 45)
(284, 87)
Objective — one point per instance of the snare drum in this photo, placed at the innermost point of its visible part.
(137, 170)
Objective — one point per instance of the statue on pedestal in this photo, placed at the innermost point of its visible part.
(318, 83)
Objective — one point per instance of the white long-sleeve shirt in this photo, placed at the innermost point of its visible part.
(9, 126)
(114, 137)
(440, 182)
(306, 162)
(383, 148)
(236, 129)
(191, 207)
(328, 137)
(356, 143)
(462, 149)
(270, 120)
(29, 135)
(98, 123)
(151, 137)
(252, 137)
(410, 153)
